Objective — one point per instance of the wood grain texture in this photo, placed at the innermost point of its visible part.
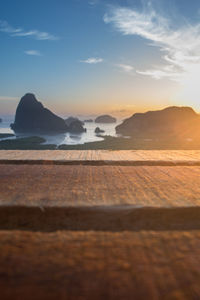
(126, 232)
(64, 186)
(102, 155)
(90, 265)
(107, 219)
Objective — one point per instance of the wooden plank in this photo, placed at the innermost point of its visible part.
(102, 155)
(90, 265)
(107, 219)
(101, 250)
(63, 186)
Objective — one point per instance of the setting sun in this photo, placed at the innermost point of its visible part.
(100, 150)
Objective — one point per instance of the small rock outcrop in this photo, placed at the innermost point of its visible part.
(98, 130)
(105, 119)
(171, 121)
(31, 116)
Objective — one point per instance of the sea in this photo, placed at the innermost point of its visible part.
(66, 138)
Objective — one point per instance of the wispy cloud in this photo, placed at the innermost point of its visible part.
(20, 32)
(33, 52)
(92, 60)
(126, 68)
(179, 48)
(93, 2)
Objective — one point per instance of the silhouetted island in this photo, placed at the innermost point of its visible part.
(69, 120)
(105, 119)
(1, 120)
(75, 125)
(171, 121)
(98, 130)
(32, 116)
(88, 121)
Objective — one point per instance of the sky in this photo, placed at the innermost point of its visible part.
(96, 56)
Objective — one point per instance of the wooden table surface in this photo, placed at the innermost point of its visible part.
(84, 156)
(100, 265)
(109, 231)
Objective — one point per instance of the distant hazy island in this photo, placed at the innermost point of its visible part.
(105, 119)
(88, 121)
(170, 128)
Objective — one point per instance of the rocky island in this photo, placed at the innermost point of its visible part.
(105, 119)
(70, 120)
(32, 117)
(169, 122)
(75, 125)
(99, 130)
(88, 121)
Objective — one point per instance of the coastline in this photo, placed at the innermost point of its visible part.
(108, 143)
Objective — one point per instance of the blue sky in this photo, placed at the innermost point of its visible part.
(92, 56)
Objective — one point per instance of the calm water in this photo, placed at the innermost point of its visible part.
(67, 138)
